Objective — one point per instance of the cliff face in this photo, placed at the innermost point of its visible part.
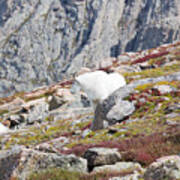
(41, 41)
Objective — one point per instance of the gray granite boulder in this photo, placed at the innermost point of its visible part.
(101, 156)
(119, 111)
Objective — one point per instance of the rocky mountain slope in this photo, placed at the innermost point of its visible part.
(49, 134)
(41, 41)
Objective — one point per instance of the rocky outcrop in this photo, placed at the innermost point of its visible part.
(42, 41)
(21, 162)
(29, 113)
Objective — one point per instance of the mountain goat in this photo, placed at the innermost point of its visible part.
(98, 85)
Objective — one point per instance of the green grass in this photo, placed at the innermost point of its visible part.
(3, 111)
(60, 174)
(150, 73)
(55, 174)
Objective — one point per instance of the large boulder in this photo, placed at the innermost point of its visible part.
(101, 156)
(21, 162)
(60, 97)
(119, 111)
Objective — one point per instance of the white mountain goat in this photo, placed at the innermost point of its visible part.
(98, 85)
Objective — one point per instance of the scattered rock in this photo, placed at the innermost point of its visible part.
(52, 146)
(123, 58)
(106, 63)
(85, 101)
(119, 167)
(163, 89)
(46, 147)
(172, 115)
(101, 156)
(134, 176)
(56, 102)
(127, 68)
(37, 113)
(31, 112)
(146, 65)
(164, 168)
(64, 113)
(86, 132)
(173, 107)
(65, 93)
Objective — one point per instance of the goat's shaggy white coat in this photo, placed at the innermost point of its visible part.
(3, 129)
(99, 85)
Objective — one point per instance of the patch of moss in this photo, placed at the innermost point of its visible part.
(82, 125)
(60, 174)
(46, 95)
(144, 87)
(150, 85)
(4, 111)
(92, 137)
(119, 134)
(49, 119)
(54, 174)
(149, 73)
(155, 60)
